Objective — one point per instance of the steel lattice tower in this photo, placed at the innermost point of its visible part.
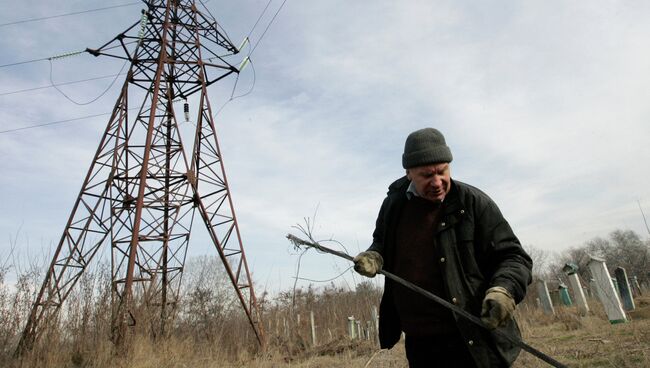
(143, 189)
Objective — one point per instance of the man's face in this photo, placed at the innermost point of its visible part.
(432, 182)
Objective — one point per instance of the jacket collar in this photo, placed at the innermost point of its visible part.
(452, 202)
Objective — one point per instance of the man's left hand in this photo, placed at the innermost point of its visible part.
(498, 307)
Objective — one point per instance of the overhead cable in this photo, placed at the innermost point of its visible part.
(60, 56)
(267, 28)
(67, 120)
(53, 123)
(63, 55)
(24, 62)
(60, 84)
(66, 14)
(259, 18)
(247, 60)
(144, 20)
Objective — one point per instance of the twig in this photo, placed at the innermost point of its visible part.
(372, 357)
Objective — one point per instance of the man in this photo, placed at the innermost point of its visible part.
(451, 239)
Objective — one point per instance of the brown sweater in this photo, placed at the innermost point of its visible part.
(415, 261)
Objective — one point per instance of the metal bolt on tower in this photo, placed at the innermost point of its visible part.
(143, 189)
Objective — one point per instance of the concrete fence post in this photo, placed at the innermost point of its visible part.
(624, 288)
(606, 291)
(375, 322)
(313, 328)
(578, 294)
(636, 288)
(357, 324)
(351, 327)
(545, 297)
(565, 298)
(369, 330)
(593, 289)
(615, 282)
(286, 327)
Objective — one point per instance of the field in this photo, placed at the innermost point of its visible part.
(576, 341)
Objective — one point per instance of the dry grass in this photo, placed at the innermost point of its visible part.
(589, 341)
(210, 333)
(576, 341)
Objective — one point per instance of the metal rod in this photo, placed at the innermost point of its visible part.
(477, 321)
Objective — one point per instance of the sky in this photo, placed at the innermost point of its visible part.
(543, 104)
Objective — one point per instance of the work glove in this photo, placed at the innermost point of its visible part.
(498, 307)
(368, 263)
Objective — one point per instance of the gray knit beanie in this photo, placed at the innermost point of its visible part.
(425, 147)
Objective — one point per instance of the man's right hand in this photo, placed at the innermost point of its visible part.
(368, 263)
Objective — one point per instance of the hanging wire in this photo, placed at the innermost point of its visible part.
(233, 90)
(328, 280)
(54, 85)
(59, 57)
(515, 340)
(144, 20)
(66, 14)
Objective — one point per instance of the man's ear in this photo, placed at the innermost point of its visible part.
(408, 174)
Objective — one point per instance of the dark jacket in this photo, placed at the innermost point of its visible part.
(476, 249)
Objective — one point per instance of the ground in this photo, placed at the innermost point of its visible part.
(575, 341)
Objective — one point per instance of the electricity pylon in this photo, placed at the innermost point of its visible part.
(142, 189)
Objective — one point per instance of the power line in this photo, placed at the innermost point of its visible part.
(65, 55)
(64, 121)
(215, 20)
(60, 84)
(96, 115)
(247, 58)
(24, 62)
(67, 14)
(53, 123)
(267, 28)
(61, 56)
(259, 18)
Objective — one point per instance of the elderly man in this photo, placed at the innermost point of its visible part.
(449, 238)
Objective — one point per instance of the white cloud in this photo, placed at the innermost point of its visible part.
(544, 104)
